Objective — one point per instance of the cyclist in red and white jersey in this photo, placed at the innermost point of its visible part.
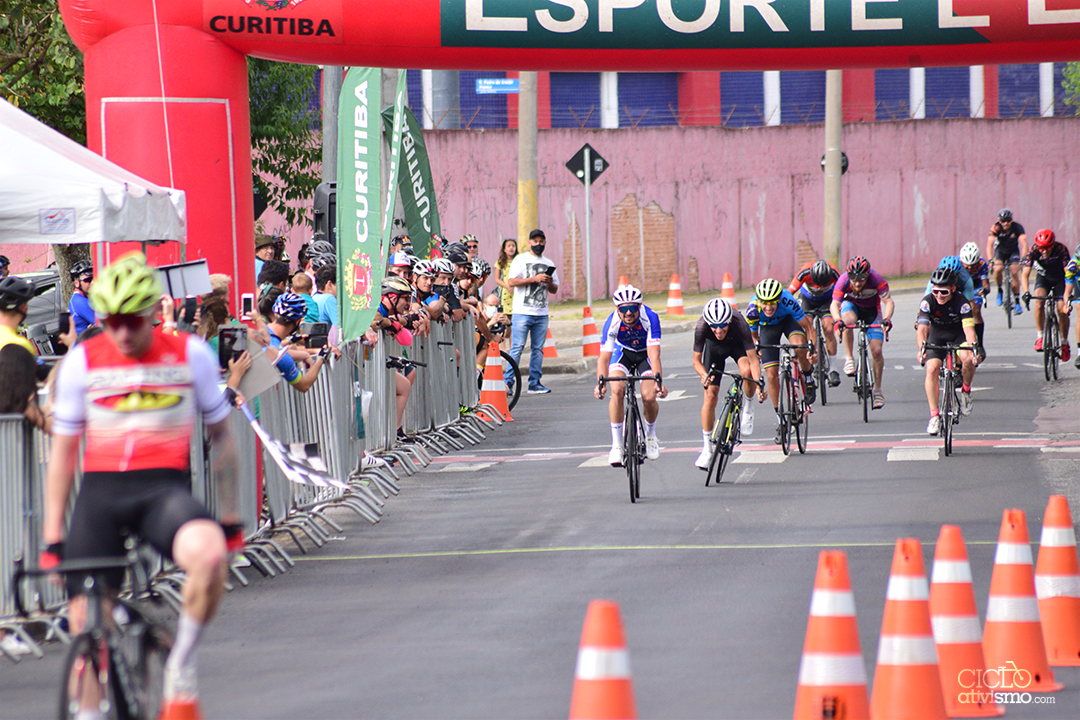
(134, 394)
(813, 286)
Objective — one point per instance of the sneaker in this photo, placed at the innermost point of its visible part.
(181, 684)
(1019, 308)
(1038, 345)
(965, 403)
(538, 390)
(1000, 297)
(1077, 363)
(934, 425)
(14, 645)
(746, 425)
(849, 367)
(370, 461)
(778, 439)
(652, 447)
(615, 457)
(704, 458)
(834, 379)
(811, 391)
(879, 399)
(1066, 353)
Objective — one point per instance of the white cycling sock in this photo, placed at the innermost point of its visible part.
(1038, 334)
(616, 434)
(187, 635)
(650, 429)
(706, 436)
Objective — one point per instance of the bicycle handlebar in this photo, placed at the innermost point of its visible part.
(630, 378)
(93, 566)
(786, 346)
(733, 376)
(393, 361)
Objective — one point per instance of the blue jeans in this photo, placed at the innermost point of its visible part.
(533, 328)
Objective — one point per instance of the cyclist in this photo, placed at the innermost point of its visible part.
(722, 333)
(630, 346)
(446, 288)
(863, 294)
(945, 317)
(1049, 258)
(1072, 277)
(979, 271)
(15, 296)
(1007, 243)
(424, 275)
(82, 315)
(772, 313)
(134, 393)
(814, 283)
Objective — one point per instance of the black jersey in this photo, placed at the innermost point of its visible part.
(1008, 241)
(953, 315)
(738, 336)
(1051, 267)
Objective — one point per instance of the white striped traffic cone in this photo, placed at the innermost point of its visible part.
(674, 298)
(1057, 584)
(590, 343)
(602, 682)
(549, 346)
(727, 290)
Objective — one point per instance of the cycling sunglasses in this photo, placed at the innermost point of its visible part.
(131, 322)
(718, 326)
(941, 291)
(624, 309)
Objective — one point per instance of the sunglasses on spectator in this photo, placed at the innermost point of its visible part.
(131, 322)
(941, 291)
(624, 309)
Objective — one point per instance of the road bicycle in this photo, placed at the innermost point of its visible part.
(727, 429)
(118, 662)
(1008, 299)
(950, 381)
(1051, 348)
(821, 367)
(633, 429)
(793, 409)
(864, 369)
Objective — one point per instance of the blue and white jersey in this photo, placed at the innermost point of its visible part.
(787, 306)
(617, 335)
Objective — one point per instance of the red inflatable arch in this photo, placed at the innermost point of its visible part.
(166, 80)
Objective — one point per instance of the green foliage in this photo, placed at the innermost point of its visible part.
(1071, 84)
(41, 70)
(286, 137)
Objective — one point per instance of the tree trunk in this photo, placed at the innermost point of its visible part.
(66, 257)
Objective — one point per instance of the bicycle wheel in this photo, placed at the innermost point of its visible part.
(821, 367)
(630, 450)
(865, 387)
(148, 669)
(721, 443)
(1007, 291)
(787, 405)
(1048, 339)
(1055, 346)
(83, 676)
(948, 412)
(512, 393)
(800, 416)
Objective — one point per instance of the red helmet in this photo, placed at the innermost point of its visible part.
(1044, 238)
(858, 268)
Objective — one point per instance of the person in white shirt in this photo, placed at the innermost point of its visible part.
(532, 277)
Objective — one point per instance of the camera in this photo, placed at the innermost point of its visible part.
(232, 342)
(315, 334)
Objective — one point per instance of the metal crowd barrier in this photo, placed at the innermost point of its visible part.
(439, 417)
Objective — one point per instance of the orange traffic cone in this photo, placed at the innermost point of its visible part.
(832, 677)
(1012, 637)
(180, 710)
(674, 297)
(1057, 585)
(727, 290)
(493, 389)
(549, 346)
(623, 282)
(906, 682)
(602, 684)
(590, 344)
(957, 632)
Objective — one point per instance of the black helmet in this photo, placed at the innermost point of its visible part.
(456, 253)
(15, 291)
(1005, 215)
(943, 277)
(821, 273)
(4, 262)
(83, 267)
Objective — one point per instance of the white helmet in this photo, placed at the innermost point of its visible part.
(443, 266)
(969, 254)
(626, 295)
(717, 312)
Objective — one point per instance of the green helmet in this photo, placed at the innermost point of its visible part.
(768, 290)
(127, 287)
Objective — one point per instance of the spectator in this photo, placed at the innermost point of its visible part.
(301, 285)
(288, 312)
(18, 384)
(399, 264)
(214, 314)
(5, 266)
(274, 274)
(264, 250)
(15, 293)
(424, 275)
(82, 315)
(445, 287)
(219, 284)
(507, 253)
(401, 243)
(326, 299)
(392, 318)
(266, 302)
(472, 246)
(532, 285)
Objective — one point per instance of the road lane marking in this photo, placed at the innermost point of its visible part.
(912, 453)
(761, 457)
(464, 466)
(596, 461)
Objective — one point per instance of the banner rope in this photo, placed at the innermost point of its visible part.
(164, 105)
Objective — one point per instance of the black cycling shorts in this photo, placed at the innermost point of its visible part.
(939, 335)
(811, 305)
(773, 334)
(152, 504)
(1006, 257)
(1054, 288)
(631, 362)
(716, 353)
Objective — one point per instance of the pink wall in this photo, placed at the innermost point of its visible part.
(744, 200)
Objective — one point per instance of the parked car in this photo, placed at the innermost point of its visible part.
(43, 312)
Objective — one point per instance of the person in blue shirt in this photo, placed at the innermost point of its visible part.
(630, 345)
(773, 313)
(289, 309)
(326, 298)
(264, 250)
(82, 315)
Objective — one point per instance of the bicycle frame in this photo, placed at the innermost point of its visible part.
(633, 429)
(792, 407)
(950, 380)
(864, 367)
(727, 428)
(821, 367)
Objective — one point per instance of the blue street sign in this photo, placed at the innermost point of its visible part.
(496, 86)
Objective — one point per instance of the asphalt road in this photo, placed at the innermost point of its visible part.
(467, 599)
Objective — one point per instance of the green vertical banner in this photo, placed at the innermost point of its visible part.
(395, 159)
(360, 265)
(415, 184)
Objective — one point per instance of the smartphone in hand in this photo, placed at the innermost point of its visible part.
(232, 342)
(65, 323)
(191, 304)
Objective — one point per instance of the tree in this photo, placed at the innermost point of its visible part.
(286, 149)
(1071, 84)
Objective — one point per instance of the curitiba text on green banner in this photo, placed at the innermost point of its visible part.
(415, 183)
(360, 253)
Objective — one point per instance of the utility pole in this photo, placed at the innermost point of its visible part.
(832, 207)
(528, 177)
(331, 91)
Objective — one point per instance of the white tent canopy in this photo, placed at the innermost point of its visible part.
(53, 190)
